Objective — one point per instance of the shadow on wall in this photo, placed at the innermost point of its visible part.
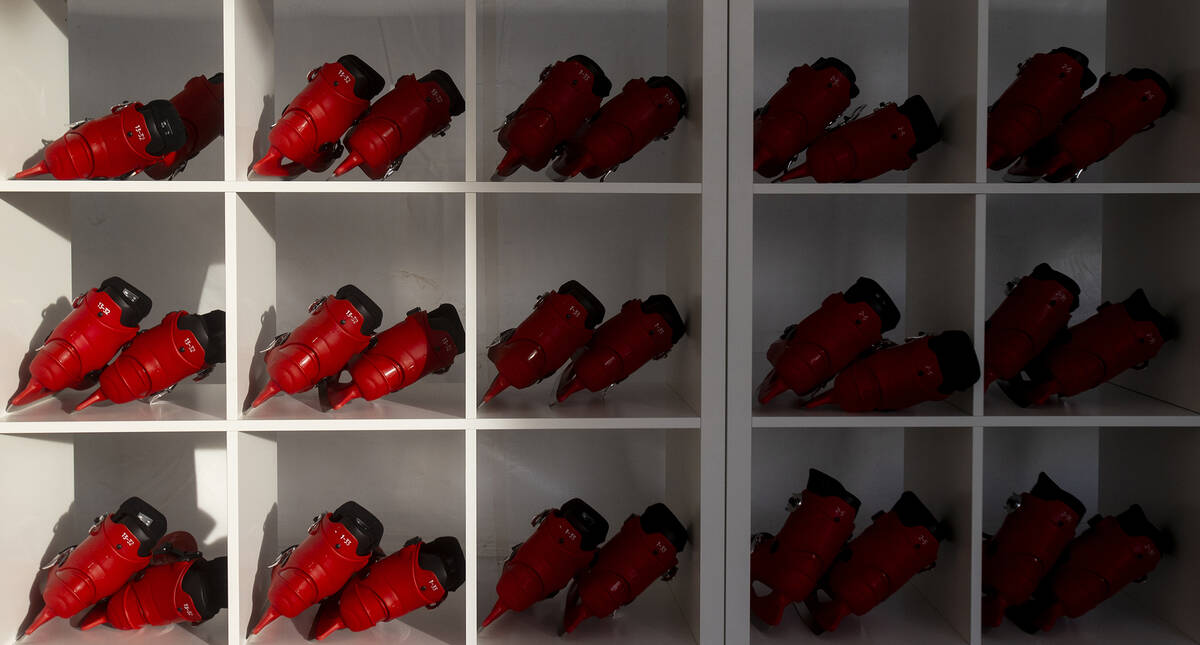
(262, 573)
(51, 316)
(256, 376)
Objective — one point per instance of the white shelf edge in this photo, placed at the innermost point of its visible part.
(979, 188)
(965, 421)
(113, 427)
(347, 425)
(588, 423)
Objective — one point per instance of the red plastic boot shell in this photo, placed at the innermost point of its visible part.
(799, 112)
(400, 120)
(568, 93)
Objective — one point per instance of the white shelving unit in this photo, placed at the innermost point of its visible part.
(426, 460)
(741, 257)
(943, 239)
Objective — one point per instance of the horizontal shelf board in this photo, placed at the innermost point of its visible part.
(423, 401)
(58, 632)
(654, 617)
(338, 187)
(294, 631)
(190, 402)
(625, 404)
(906, 617)
(1107, 401)
(1117, 621)
(781, 415)
(980, 188)
(111, 186)
(588, 187)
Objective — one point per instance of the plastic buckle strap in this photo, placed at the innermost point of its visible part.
(611, 171)
(203, 374)
(316, 304)
(794, 502)
(169, 549)
(58, 558)
(163, 392)
(283, 556)
(1012, 503)
(670, 574)
(541, 517)
(120, 105)
(275, 342)
(502, 338)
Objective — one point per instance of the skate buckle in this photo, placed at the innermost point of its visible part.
(57, 558)
(163, 392)
(670, 574)
(283, 556)
(1012, 503)
(275, 342)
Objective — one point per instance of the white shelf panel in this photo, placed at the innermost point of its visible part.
(422, 401)
(654, 617)
(936, 413)
(190, 402)
(1117, 621)
(61, 631)
(983, 188)
(626, 405)
(904, 619)
(1108, 402)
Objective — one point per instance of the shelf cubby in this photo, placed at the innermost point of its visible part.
(402, 251)
(412, 481)
(885, 42)
(1108, 469)
(82, 57)
(1116, 36)
(171, 246)
(1110, 245)
(618, 473)
(518, 39)
(807, 247)
(876, 465)
(79, 476)
(619, 248)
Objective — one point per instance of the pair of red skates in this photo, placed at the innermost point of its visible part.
(1028, 333)
(341, 566)
(138, 573)
(150, 363)
(813, 552)
(566, 549)
(338, 97)
(1043, 126)
(562, 118)
(341, 326)
(158, 137)
(844, 338)
(799, 117)
(563, 325)
(1036, 570)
